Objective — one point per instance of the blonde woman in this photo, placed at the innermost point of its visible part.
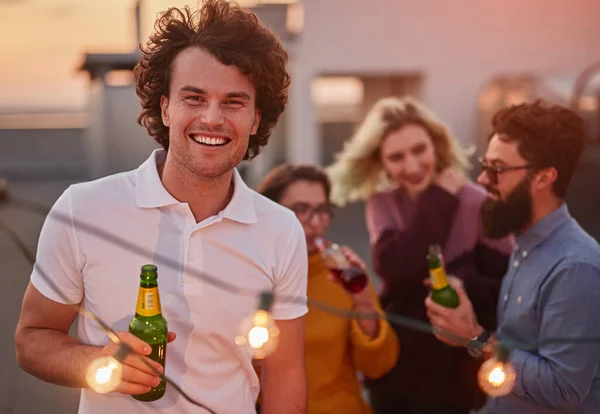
(410, 171)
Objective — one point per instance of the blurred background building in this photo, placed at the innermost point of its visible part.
(68, 107)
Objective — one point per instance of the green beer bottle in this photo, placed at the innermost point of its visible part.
(149, 325)
(441, 291)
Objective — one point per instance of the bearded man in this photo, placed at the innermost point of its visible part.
(552, 287)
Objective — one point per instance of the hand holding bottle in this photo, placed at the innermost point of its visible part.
(138, 378)
(452, 324)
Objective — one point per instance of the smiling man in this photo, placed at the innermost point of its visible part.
(212, 84)
(552, 287)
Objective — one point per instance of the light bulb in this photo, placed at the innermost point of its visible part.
(259, 333)
(496, 378)
(104, 374)
(258, 336)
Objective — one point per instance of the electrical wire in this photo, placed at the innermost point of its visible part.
(163, 260)
(394, 318)
(160, 259)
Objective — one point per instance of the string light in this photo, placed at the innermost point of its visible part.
(258, 330)
(105, 374)
(497, 376)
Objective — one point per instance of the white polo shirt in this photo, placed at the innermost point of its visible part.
(253, 243)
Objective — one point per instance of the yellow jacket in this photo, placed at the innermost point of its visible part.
(336, 348)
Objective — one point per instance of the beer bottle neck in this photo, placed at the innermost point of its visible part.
(149, 276)
(148, 283)
(439, 280)
(434, 261)
(148, 303)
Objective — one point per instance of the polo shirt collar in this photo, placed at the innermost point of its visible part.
(151, 193)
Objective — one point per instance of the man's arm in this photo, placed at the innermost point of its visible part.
(43, 345)
(45, 349)
(560, 374)
(283, 372)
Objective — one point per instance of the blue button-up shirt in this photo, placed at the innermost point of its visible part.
(552, 290)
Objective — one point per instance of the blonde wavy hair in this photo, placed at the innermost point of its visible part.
(358, 172)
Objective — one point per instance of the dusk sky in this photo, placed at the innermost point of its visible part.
(42, 43)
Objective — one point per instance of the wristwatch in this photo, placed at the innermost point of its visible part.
(476, 344)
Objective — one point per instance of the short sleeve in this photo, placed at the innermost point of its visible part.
(55, 273)
(291, 277)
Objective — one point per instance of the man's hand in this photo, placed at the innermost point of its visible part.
(137, 377)
(448, 324)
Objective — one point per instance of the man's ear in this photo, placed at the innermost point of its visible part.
(545, 178)
(256, 123)
(164, 110)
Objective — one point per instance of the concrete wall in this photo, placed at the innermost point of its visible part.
(114, 140)
(42, 153)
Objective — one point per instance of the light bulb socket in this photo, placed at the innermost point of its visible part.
(501, 352)
(122, 352)
(266, 301)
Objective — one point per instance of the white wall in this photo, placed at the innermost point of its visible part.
(114, 140)
(128, 143)
(459, 45)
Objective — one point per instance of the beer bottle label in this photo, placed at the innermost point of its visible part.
(438, 278)
(148, 303)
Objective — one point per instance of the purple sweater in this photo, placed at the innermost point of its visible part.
(401, 231)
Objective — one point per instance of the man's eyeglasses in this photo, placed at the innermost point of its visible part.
(305, 211)
(493, 171)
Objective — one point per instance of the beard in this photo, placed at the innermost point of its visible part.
(503, 217)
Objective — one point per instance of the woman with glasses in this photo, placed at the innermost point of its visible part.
(409, 169)
(335, 347)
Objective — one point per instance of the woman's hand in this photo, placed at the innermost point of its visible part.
(451, 180)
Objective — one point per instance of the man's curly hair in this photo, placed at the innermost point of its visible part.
(548, 136)
(231, 34)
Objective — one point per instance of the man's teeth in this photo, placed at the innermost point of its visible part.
(209, 141)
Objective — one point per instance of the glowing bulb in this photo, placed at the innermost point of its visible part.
(496, 378)
(104, 374)
(258, 336)
(258, 330)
